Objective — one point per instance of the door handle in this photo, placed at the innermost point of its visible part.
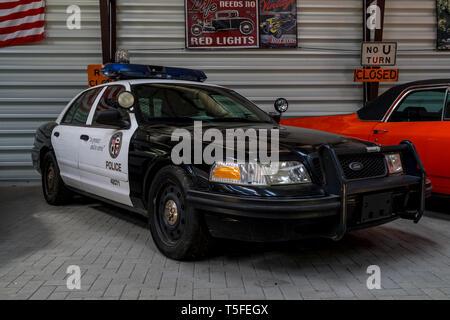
(380, 130)
(84, 137)
(56, 134)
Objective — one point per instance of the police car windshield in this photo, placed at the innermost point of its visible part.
(181, 102)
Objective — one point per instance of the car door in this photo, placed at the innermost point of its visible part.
(103, 154)
(65, 136)
(418, 117)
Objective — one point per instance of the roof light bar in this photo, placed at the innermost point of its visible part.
(140, 71)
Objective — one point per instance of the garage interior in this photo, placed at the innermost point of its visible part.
(38, 80)
(114, 248)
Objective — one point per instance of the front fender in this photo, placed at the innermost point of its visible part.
(42, 141)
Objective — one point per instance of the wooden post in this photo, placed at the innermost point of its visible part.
(108, 29)
(370, 90)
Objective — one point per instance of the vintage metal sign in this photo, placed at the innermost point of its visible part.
(443, 27)
(377, 54)
(221, 24)
(376, 75)
(95, 77)
(278, 23)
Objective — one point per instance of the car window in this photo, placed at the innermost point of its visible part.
(69, 114)
(80, 108)
(109, 101)
(447, 106)
(195, 102)
(424, 105)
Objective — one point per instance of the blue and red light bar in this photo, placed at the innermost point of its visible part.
(123, 71)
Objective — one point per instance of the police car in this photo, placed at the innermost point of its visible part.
(113, 142)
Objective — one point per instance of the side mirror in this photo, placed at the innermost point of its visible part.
(112, 117)
(126, 99)
(275, 116)
(281, 105)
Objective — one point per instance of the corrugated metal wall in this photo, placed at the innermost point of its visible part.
(37, 80)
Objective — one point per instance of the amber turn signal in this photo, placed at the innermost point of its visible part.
(231, 173)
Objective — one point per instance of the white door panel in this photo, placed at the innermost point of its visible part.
(103, 162)
(66, 145)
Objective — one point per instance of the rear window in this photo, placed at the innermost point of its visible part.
(80, 108)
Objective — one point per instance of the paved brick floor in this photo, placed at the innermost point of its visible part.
(118, 258)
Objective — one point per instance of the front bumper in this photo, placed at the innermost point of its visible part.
(343, 209)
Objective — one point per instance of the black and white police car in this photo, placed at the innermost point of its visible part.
(113, 142)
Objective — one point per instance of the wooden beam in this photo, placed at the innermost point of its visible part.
(370, 90)
(108, 29)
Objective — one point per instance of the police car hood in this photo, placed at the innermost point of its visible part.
(290, 138)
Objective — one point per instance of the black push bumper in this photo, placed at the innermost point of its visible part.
(346, 205)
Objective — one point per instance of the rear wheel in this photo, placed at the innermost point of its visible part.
(55, 192)
(179, 231)
(196, 30)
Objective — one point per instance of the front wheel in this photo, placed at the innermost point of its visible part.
(246, 27)
(278, 34)
(179, 231)
(55, 192)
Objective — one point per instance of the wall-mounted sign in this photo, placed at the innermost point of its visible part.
(376, 75)
(278, 23)
(95, 77)
(443, 28)
(376, 54)
(221, 24)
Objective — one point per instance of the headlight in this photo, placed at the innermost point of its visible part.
(279, 173)
(394, 163)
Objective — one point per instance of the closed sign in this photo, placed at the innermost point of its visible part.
(376, 75)
(376, 54)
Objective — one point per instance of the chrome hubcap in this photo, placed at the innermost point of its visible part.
(171, 212)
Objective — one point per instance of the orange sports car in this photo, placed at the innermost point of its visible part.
(416, 111)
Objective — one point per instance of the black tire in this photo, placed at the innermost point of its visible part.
(55, 192)
(178, 230)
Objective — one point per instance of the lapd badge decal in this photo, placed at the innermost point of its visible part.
(114, 145)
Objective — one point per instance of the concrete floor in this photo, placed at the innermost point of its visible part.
(118, 259)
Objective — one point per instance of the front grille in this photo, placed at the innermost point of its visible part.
(373, 165)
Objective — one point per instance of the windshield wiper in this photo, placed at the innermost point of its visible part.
(170, 119)
(238, 120)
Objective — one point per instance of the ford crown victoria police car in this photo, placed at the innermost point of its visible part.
(113, 142)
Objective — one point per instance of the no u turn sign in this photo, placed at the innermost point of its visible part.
(377, 54)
